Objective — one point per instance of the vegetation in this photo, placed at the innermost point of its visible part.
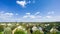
(37, 32)
(8, 27)
(19, 32)
(1, 28)
(7, 30)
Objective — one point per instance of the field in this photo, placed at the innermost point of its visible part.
(29, 27)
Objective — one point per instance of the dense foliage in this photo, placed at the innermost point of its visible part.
(1, 28)
(19, 32)
(46, 28)
(7, 30)
(37, 32)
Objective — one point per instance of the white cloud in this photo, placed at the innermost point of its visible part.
(8, 14)
(56, 18)
(29, 15)
(37, 13)
(8, 17)
(48, 16)
(38, 16)
(22, 3)
(32, 16)
(16, 14)
(25, 16)
(29, 2)
(51, 12)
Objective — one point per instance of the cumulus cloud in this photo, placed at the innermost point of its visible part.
(29, 15)
(37, 13)
(8, 17)
(56, 18)
(48, 16)
(16, 14)
(22, 3)
(51, 12)
(29, 2)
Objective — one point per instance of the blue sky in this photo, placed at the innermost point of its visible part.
(29, 10)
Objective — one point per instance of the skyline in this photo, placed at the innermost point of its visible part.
(29, 10)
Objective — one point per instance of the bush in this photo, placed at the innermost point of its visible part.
(1, 32)
(1, 28)
(19, 32)
(7, 30)
(37, 32)
(13, 27)
(58, 32)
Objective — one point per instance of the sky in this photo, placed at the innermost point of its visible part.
(29, 10)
